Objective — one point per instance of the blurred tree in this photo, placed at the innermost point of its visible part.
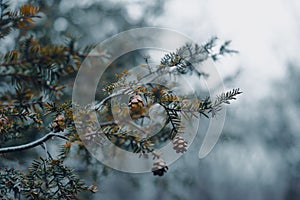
(39, 63)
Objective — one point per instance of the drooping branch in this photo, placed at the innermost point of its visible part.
(33, 144)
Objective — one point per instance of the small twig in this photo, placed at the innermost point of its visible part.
(48, 155)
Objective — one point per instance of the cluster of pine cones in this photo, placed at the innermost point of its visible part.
(159, 167)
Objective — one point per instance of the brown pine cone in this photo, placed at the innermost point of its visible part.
(58, 123)
(159, 167)
(179, 144)
(3, 120)
(136, 102)
(137, 109)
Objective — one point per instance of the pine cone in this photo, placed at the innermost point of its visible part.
(179, 144)
(3, 120)
(137, 109)
(58, 123)
(159, 167)
(136, 102)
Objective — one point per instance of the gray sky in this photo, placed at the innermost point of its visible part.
(265, 32)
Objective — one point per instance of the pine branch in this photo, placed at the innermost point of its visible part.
(10, 20)
(208, 106)
(224, 98)
(223, 50)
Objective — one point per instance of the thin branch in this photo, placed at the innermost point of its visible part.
(32, 144)
(99, 105)
(108, 123)
(22, 104)
(16, 74)
(40, 59)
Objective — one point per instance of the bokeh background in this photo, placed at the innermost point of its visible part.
(258, 154)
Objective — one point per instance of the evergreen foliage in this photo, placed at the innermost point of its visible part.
(35, 78)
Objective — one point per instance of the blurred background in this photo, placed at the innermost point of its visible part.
(258, 154)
